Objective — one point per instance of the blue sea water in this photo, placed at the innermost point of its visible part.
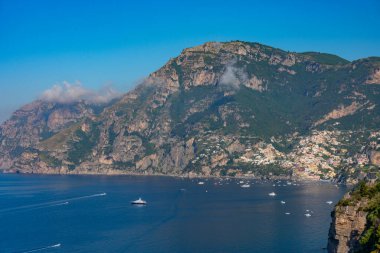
(43, 213)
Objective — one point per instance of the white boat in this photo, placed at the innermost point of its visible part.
(287, 213)
(307, 214)
(329, 202)
(272, 194)
(283, 202)
(245, 186)
(201, 182)
(138, 202)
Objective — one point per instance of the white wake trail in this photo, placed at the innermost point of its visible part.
(89, 196)
(43, 248)
(60, 204)
(51, 203)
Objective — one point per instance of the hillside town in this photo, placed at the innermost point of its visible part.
(322, 155)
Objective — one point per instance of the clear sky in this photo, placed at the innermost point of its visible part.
(46, 42)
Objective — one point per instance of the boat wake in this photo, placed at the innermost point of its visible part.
(89, 196)
(62, 202)
(42, 248)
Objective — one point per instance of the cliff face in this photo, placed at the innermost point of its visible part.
(348, 223)
(234, 108)
(34, 123)
(355, 221)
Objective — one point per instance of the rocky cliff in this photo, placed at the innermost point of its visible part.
(355, 221)
(234, 108)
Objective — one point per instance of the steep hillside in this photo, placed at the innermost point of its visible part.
(232, 108)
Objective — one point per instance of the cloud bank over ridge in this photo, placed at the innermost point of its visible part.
(66, 93)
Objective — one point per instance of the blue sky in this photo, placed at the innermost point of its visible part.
(45, 42)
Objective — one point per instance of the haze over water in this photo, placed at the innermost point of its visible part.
(41, 213)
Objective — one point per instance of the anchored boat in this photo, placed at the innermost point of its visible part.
(138, 202)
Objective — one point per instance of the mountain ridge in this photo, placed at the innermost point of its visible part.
(213, 93)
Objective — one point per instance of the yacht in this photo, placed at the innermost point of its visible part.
(272, 194)
(138, 202)
(307, 214)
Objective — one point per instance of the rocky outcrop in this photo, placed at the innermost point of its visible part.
(340, 112)
(355, 222)
(374, 78)
(348, 224)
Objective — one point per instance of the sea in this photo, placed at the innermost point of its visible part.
(67, 213)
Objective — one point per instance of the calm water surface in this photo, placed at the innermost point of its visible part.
(40, 213)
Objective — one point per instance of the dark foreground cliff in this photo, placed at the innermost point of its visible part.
(355, 221)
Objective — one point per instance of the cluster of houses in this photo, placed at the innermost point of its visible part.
(317, 156)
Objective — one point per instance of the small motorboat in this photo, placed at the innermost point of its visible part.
(272, 194)
(138, 202)
(329, 202)
(283, 202)
(307, 214)
(201, 183)
(245, 186)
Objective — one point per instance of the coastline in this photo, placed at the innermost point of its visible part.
(192, 176)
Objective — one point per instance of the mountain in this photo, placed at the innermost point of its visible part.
(233, 108)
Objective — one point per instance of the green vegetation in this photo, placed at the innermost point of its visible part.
(362, 190)
(370, 239)
(82, 144)
(16, 152)
(60, 139)
(111, 139)
(271, 170)
(124, 165)
(51, 161)
(149, 147)
(328, 59)
(183, 101)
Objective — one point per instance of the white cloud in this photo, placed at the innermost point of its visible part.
(68, 93)
(233, 77)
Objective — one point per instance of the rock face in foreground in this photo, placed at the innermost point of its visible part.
(355, 221)
(347, 225)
